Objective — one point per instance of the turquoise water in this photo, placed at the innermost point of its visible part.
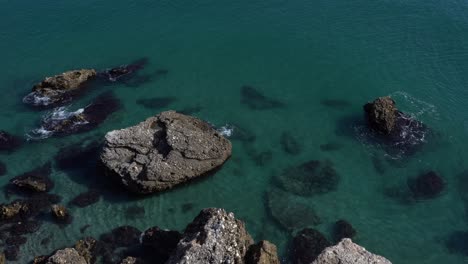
(298, 52)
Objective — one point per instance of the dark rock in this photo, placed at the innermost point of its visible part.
(124, 73)
(40, 259)
(427, 185)
(16, 240)
(46, 241)
(86, 198)
(13, 210)
(156, 102)
(160, 243)
(187, 207)
(87, 248)
(331, 146)
(457, 242)
(123, 236)
(188, 148)
(36, 180)
(66, 256)
(335, 103)
(395, 128)
(25, 227)
(307, 246)
(61, 213)
(83, 120)
(214, 236)
(290, 211)
(11, 253)
(190, 110)
(9, 142)
(253, 99)
(132, 260)
(60, 88)
(289, 144)
(343, 229)
(74, 156)
(263, 252)
(135, 212)
(83, 228)
(309, 178)
(3, 169)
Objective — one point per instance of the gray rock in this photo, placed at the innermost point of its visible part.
(66, 256)
(263, 252)
(347, 252)
(163, 151)
(214, 236)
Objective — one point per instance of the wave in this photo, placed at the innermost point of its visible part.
(36, 99)
(226, 130)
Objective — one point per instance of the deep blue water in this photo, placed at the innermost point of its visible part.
(298, 52)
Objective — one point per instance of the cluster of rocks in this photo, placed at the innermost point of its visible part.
(214, 236)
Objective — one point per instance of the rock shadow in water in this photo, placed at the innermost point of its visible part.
(255, 100)
(427, 185)
(457, 242)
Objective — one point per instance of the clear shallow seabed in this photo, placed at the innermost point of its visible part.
(299, 52)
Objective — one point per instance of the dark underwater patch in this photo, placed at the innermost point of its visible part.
(335, 103)
(156, 102)
(255, 100)
(290, 144)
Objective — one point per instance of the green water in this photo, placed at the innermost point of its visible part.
(299, 52)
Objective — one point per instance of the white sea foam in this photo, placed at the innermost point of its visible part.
(226, 130)
(34, 98)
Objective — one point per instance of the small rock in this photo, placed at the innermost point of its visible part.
(255, 100)
(36, 180)
(263, 252)
(40, 260)
(13, 209)
(66, 256)
(290, 144)
(61, 213)
(87, 249)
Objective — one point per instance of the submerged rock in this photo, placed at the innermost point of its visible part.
(427, 185)
(3, 169)
(290, 144)
(36, 180)
(160, 243)
(66, 256)
(263, 252)
(163, 151)
(62, 123)
(396, 128)
(347, 252)
(75, 155)
(86, 198)
(457, 242)
(214, 236)
(124, 72)
(309, 178)
(253, 99)
(59, 88)
(9, 142)
(343, 229)
(122, 236)
(307, 246)
(61, 213)
(291, 211)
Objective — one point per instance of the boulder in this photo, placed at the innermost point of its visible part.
(263, 252)
(160, 243)
(382, 114)
(66, 256)
(307, 246)
(347, 252)
(214, 236)
(9, 142)
(87, 249)
(36, 180)
(59, 88)
(13, 209)
(61, 213)
(163, 151)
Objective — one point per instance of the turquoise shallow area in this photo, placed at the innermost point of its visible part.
(299, 52)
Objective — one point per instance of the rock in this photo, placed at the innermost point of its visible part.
(263, 252)
(131, 260)
(75, 155)
(160, 243)
(343, 229)
(214, 236)
(40, 260)
(3, 170)
(87, 249)
(291, 211)
(62, 123)
(290, 144)
(66, 256)
(2, 258)
(12, 253)
(254, 100)
(60, 88)
(122, 236)
(86, 198)
(307, 246)
(36, 180)
(13, 209)
(427, 185)
(9, 142)
(61, 213)
(457, 242)
(309, 178)
(397, 129)
(124, 72)
(347, 252)
(16, 240)
(163, 151)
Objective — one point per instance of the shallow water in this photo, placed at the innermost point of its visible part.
(322, 60)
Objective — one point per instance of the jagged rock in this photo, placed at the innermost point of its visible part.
(163, 151)
(66, 256)
(398, 129)
(61, 213)
(59, 88)
(343, 229)
(263, 252)
(214, 236)
(307, 245)
(161, 243)
(9, 142)
(40, 260)
(87, 249)
(347, 252)
(13, 209)
(36, 180)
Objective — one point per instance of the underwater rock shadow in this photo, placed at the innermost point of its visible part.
(255, 100)
(156, 102)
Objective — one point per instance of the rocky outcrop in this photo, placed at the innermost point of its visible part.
(347, 252)
(13, 209)
(9, 142)
(59, 88)
(396, 128)
(163, 151)
(36, 180)
(307, 245)
(87, 248)
(66, 256)
(263, 252)
(214, 236)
